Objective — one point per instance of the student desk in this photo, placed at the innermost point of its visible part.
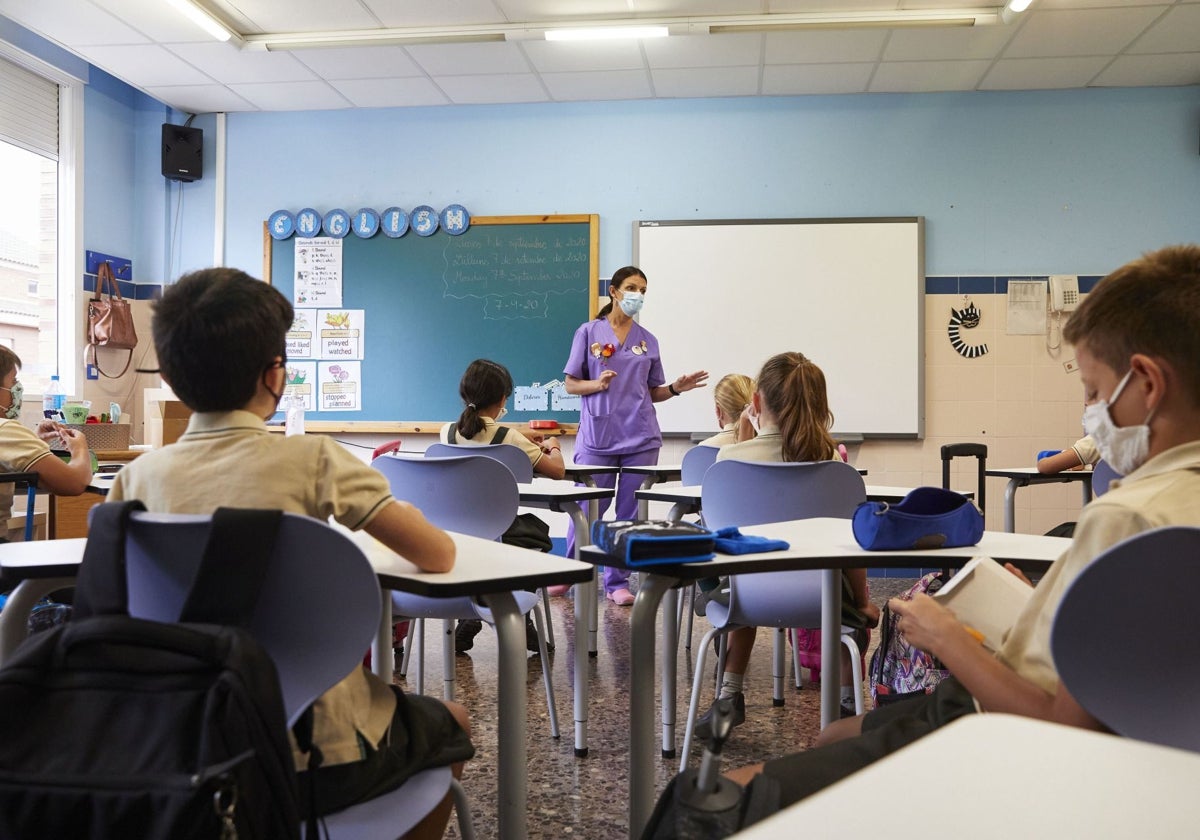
(490, 570)
(686, 499)
(820, 543)
(1001, 776)
(1026, 476)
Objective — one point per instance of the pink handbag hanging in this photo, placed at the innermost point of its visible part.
(109, 321)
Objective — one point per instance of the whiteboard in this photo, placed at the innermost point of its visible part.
(726, 295)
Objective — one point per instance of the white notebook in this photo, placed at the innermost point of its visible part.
(987, 597)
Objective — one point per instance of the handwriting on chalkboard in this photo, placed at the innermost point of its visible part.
(517, 277)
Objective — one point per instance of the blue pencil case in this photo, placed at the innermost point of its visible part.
(650, 542)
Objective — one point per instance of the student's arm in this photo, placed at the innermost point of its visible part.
(69, 479)
(405, 530)
(583, 387)
(1068, 459)
(931, 627)
(551, 463)
(862, 600)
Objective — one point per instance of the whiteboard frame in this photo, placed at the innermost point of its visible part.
(692, 306)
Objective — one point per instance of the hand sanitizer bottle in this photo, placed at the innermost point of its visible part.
(295, 416)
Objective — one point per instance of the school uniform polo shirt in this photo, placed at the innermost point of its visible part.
(766, 446)
(1086, 449)
(487, 435)
(229, 459)
(726, 436)
(20, 449)
(1163, 491)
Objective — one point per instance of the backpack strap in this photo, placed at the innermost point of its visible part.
(452, 435)
(501, 434)
(100, 587)
(234, 565)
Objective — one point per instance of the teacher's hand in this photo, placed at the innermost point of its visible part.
(690, 381)
(606, 377)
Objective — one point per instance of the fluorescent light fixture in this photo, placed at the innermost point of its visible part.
(203, 19)
(606, 33)
(1017, 5)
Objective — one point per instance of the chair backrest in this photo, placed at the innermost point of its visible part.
(753, 492)
(319, 606)
(1124, 637)
(1102, 476)
(513, 457)
(745, 493)
(470, 494)
(696, 462)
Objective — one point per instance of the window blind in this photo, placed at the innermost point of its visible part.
(28, 110)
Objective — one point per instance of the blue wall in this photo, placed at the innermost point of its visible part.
(1028, 182)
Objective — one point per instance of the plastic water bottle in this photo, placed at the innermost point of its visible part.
(54, 399)
(294, 424)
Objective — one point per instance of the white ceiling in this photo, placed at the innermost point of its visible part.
(1055, 44)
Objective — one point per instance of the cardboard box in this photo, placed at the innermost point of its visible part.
(174, 419)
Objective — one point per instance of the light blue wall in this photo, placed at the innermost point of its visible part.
(1029, 182)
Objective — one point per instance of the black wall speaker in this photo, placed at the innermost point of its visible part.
(182, 152)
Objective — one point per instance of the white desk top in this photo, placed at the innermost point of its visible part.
(1000, 776)
(1031, 475)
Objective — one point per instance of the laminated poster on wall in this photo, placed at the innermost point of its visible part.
(317, 279)
(301, 381)
(299, 339)
(341, 333)
(340, 386)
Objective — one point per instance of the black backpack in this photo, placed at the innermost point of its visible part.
(120, 727)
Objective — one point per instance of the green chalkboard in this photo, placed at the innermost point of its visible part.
(510, 288)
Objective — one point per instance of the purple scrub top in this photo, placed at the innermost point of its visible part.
(621, 419)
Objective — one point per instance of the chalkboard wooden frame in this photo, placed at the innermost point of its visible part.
(432, 426)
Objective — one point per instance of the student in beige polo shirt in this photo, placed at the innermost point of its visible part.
(219, 335)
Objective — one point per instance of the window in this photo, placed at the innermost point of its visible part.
(37, 221)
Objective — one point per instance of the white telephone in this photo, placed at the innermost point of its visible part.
(1064, 292)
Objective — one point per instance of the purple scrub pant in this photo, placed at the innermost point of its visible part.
(627, 487)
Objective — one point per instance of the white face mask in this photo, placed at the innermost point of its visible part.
(631, 303)
(1125, 448)
(500, 414)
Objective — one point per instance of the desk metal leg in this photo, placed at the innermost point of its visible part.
(643, 505)
(1010, 506)
(512, 769)
(831, 642)
(588, 591)
(670, 651)
(14, 618)
(585, 633)
(641, 700)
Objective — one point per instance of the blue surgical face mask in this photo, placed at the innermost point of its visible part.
(631, 303)
(14, 410)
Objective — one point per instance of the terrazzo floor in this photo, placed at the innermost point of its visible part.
(587, 797)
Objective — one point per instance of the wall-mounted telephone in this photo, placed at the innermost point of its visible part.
(1064, 292)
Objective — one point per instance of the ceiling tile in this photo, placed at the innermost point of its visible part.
(565, 57)
(941, 44)
(927, 76)
(730, 50)
(423, 13)
(200, 99)
(291, 96)
(618, 84)
(1080, 32)
(1151, 70)
(303, 15)
(72, 23)
(501, 87)
(707, 81)
(824, 46)
(1177, 31)
(359, 63)
(390, 93)
(145, 65)
(1042, 73)
(156, 20)
(789, 79)
(228, 64)
(469, 59)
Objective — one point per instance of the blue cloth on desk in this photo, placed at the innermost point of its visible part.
(732, 541)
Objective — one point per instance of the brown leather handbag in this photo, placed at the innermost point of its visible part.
(109, 321)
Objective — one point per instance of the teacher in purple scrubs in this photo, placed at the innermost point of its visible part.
(616, 368)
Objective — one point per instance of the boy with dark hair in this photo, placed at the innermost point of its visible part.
(1137, 341)
(220, 338)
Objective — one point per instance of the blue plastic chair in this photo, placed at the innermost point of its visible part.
(474, 495)
(513, 457)
(315, 625)
(1102, 476)
(1124, 637)
(743, 493)
(696, 462)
